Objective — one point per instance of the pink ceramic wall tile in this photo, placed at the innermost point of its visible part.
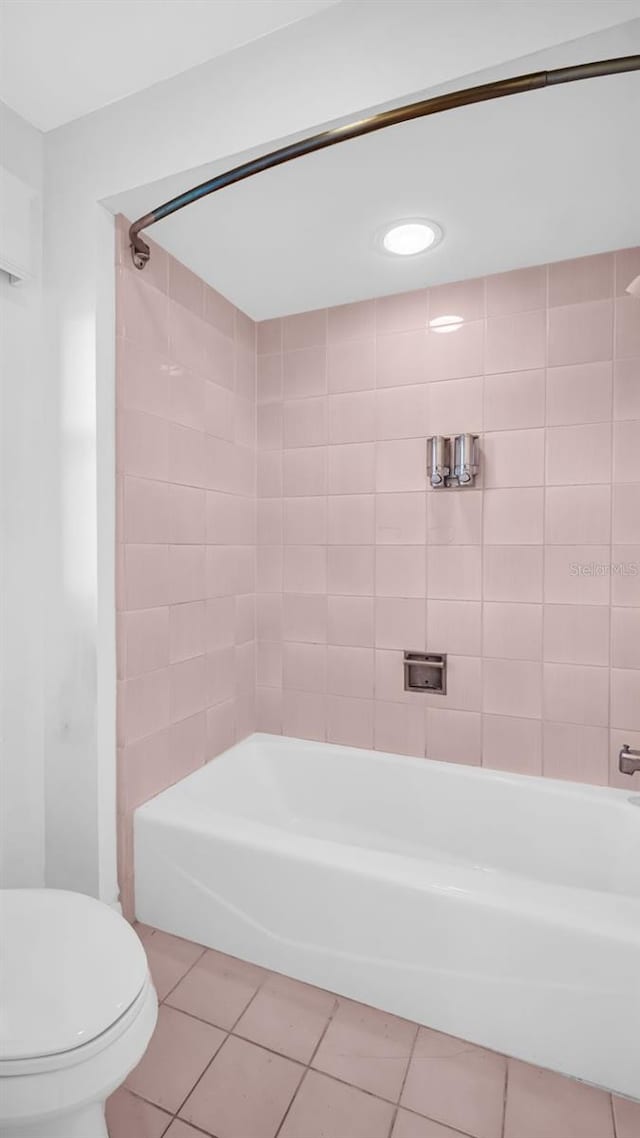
(576, 634)
(575, 694)
(143, 705)
(304, 667)
(269, 336)
(219, 622)
(187, 745)
(304, 715)
(458, 624)
(462, 298)
(305, 569)
(143, 445)
(401, 519)
(577, 574)
(513, 516)
(512, 631)
(401, 412)
(625, 698)
(218, 311)
(269, 474)
(304, 618)
(142, 379)
(626, 514)
(188, 687)
(187, 515)
(514, 400)
(401, 358)
(454, 518)
(219, 358)
(270, 616)
(453, 355)
(245, 622)
(400, 465)
(143, 641)
(146, 571)
(512, 744)
(185, 287)
(400, 571)
(219, 411)
(575, 752)
(389, 679)
(454, 736)
(220, 728)
(401, 311)
(269, 379)
(305, 521)
(305, 373)
(351, 468)
(625, 637)
(186, 398)
(453, 403)
(219, 683)
(146, 511)
(454, 572)
(350, 670)
(579, 454)
(580, 333)
(517, 291)
(400, 623)
(626, 446)
(578, 514)
(305, 422)
(186, 573)
(513, 458)
(625, 575)
(304, 471)
(352, 321)
(579, 393)
(399, 729)
(351, 365)
(269, 710)
(144, 771)
(269, 515)
(350, 570)
(512, 573)
(350, 721)
(142, 312)
(587, 278)
(627, 341)
(464, 685)
(515, 342)
(350, 621)
(186, 455)
(269, 568)
(512, 687)
(270, 426)
(187, 631)
(352, 417)
(269, 664)
(351, 519)
(304, 330)
(188, 339)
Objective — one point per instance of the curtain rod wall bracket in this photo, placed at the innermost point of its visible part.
(141, 252)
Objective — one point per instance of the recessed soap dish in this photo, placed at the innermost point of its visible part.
(425, 672)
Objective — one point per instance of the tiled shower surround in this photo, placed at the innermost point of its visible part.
(530, 582)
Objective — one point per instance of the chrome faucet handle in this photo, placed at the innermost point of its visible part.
(628, 760)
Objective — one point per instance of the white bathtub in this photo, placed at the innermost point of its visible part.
(496, 907)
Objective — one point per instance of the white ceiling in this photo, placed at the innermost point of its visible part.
(60, 59)
(524, 180)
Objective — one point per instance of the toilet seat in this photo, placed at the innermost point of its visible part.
(71, 971)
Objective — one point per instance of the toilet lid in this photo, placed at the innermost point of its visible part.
(69, 968)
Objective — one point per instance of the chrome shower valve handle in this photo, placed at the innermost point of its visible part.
(628, 760)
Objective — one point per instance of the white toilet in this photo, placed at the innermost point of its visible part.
(77, 1010)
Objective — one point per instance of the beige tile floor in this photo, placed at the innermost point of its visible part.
(240, 1052)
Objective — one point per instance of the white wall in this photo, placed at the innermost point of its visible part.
(21, 552)
(351, 57)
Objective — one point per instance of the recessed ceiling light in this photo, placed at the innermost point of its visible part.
(446, 323)
(407, 238)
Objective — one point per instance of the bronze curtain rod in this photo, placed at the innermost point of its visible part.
(141, 252)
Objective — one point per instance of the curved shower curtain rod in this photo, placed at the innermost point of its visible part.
(141, 252)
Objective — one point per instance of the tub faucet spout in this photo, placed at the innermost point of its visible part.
(628, 760)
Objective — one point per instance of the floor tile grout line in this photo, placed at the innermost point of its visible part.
(503, 1129)
(404, 1079)
(308, 1065)
(189, 969)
